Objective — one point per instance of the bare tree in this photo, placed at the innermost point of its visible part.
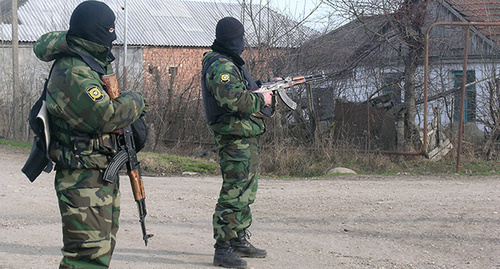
(400, 27)
(492, 121)
(409, 19)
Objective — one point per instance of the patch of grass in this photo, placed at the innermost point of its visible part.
(170, 164)
(307, 162)
(479, 167)
(15, 143)
(152, 163)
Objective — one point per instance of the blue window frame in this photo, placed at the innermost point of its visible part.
(470, 96)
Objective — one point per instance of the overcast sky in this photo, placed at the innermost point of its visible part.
(297, 6)
(295, 9)
(298, 9)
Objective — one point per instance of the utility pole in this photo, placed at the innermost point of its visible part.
(17, 115)
(125, 41)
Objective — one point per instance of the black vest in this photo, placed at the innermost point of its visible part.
(212, 110)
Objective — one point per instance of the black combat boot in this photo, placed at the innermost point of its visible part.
(225, 257)
(243, 248)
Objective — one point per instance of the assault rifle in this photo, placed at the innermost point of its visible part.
(280, 86)
(127, 155)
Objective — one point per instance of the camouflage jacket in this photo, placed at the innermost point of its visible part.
(81, 113)
(225, 81)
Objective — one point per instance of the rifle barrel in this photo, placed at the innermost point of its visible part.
(141, 206)
(314, 77)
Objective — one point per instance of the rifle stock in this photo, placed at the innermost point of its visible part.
(133, 165)
(112, 88)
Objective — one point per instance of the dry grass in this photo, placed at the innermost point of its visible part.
(307, 162)
(316, 162)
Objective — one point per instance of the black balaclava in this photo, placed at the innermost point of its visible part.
(229, 39)
(230, 31)
(93, 21)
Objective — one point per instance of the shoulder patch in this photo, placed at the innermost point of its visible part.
(224, 77)
(95, 93)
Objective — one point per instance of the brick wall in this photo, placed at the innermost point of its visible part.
(178, 65)
(184, 63)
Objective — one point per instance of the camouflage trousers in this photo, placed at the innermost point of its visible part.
(89, 208)
(238, 163)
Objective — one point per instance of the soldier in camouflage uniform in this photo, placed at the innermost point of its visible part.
(229, 104)
(82, 119)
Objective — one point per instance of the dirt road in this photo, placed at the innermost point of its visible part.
(339, 222)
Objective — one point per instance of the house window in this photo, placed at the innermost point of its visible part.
(172, 70)
(470, 96)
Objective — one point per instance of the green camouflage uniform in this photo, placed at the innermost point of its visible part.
(81, 119)
(235, 135)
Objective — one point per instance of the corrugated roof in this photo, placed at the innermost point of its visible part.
(346, 45)
(161, 22)
(5, 10)
(480, 11)
(343, 47)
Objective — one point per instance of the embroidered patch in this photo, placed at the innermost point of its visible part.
(224, 77)
(95, 94)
